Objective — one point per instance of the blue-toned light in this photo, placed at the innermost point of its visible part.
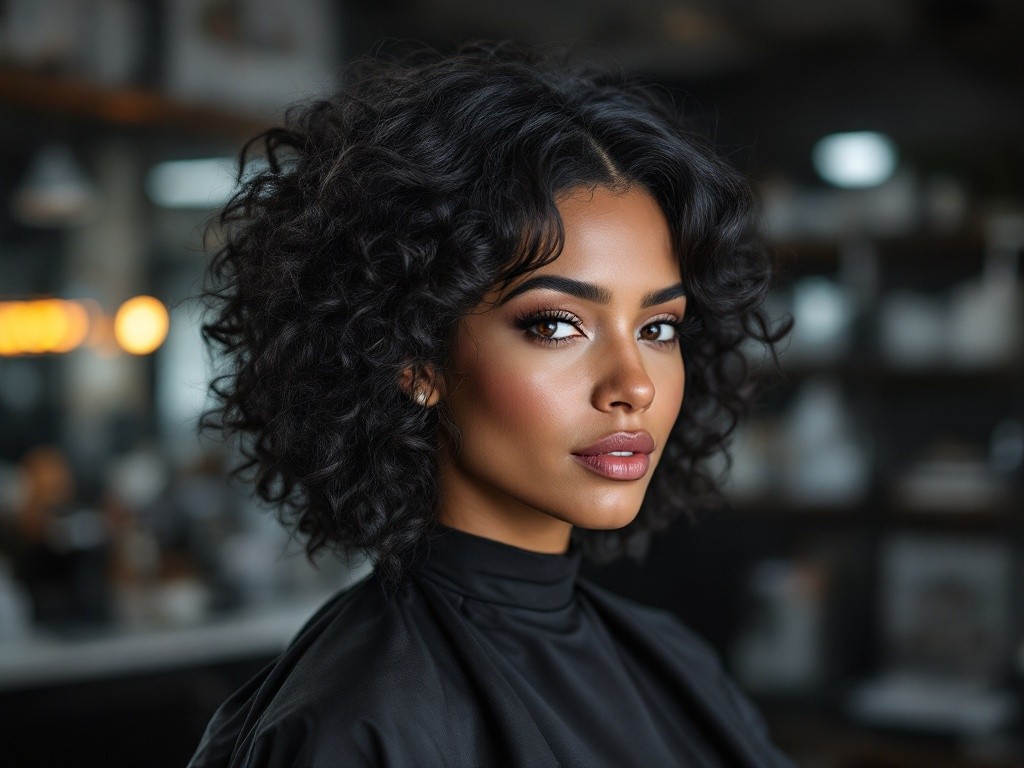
(856, 159)
(206, 183)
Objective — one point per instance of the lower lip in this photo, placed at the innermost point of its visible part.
(616, 467)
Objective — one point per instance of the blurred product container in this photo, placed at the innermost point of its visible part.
(826, 456)
(946, 626)
(163, 548)
(57, 548)
(812, 453)
(780, 649)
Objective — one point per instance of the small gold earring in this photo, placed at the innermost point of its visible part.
(421, 397)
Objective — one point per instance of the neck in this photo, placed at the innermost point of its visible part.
(491, 571)
(477, 508)
(549, 536)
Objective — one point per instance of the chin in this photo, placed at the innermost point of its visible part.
(608, 519)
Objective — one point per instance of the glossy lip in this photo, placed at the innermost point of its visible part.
(635, 442)
(616, 467)
(598, 459)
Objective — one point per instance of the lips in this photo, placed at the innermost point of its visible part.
(613, 467)
(633, 442)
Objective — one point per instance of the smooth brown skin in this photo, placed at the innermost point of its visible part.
(523, 407)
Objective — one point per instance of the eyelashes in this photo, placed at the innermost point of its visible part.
(682, 329)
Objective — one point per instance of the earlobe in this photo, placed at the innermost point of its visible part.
(421, 385)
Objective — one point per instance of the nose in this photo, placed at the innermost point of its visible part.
(623, 381)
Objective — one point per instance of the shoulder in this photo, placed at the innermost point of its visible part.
(356, 670)
(365, 653)
(657, 622)
(683, 653)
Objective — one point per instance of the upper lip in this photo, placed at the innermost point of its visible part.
(635, 442)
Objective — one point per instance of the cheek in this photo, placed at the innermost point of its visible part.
(681, 381)
(519, 397)
(514, 401)
(671, 390)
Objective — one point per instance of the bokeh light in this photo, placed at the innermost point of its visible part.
(856, 159)
(141, 324)
(41, 326)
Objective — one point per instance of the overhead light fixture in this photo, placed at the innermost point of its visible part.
(196, 184)
(55, 191)
(856, 159)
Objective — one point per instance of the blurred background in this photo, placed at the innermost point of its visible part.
(865, 581)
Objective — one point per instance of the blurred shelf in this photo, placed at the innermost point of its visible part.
(904, 248)
(995, 515)
(129, 107)
(876, 371)
(816, 737)
(42, 660)
(988, 519)
(777, 506)
(806, 251)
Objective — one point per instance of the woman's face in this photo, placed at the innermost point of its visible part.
(571, 353)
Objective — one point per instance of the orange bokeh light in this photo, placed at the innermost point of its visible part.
(42, 325)
(141, 325)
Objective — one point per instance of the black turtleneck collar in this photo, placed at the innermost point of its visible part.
(499, 573)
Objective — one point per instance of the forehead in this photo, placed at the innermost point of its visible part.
(617, 239)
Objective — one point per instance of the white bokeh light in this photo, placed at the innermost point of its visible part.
(197, 184)
(856, 159)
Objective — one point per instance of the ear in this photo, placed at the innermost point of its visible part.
(421, 384)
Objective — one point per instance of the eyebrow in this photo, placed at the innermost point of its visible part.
(589, 291)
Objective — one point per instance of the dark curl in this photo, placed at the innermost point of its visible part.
(387, 212)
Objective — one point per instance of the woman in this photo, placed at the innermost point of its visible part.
(462, 306)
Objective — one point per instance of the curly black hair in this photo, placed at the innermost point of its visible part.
(387, 211)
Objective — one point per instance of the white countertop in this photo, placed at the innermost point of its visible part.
(40, 660)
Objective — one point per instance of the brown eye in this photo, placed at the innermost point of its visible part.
(547, 328)
(658, 329)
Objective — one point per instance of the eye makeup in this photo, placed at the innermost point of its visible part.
(526, 323)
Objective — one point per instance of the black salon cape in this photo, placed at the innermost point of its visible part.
(489, 655)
